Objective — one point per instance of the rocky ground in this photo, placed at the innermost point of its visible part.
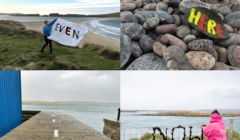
(155, 35)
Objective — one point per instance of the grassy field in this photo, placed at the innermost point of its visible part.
(183, 112)
(20, 49)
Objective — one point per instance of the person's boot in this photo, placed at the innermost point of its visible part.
(51, 52)
(41, 51)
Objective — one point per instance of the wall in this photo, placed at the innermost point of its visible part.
(10, 101)
(112, 129)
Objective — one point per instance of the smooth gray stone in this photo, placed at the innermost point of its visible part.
(224, 10)
(234, 55)
(136, 50)
(164, 16)
(183, 31)
(133, 30)
(146, 43)
(149, 61)
(201, 45)
(125, 49)
(233, 19)
(173, 3)
(234, 39)
(192, 3)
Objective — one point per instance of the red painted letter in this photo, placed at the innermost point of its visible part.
(202, 22)
(219, 31)
(67, 30)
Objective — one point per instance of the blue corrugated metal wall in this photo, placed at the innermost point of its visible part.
(10, 101)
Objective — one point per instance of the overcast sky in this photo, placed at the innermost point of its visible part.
(97, 86)
(60, 6)
(185, 90)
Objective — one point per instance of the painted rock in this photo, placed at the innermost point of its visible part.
(146, 43)
(159, 48)
(200, 45)
(173, 3)
(177, 20)
(127, 6)
(189, 38)
(192, 3)
(234, 55)
(162, 6)
(234, 39)
(150, 7)
(126, 48)
(166, 29)
(233, 19)
(220, 66)
(183, 31)
(151, 23)
(132, 30)
(176, 59)
(222, 55)
(174, 41)
(136, 50)
(201, 60)
(149, 61)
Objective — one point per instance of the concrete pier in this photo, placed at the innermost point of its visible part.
(53, 125)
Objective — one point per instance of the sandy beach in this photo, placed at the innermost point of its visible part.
(90, 37)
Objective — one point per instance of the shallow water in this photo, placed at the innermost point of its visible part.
(91, 115)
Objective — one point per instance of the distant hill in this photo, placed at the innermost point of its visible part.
(104, 15)
(70, 103)
(221, 110)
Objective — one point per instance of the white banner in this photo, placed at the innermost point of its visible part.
(67, 33)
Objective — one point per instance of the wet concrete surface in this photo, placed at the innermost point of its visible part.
(43, 125)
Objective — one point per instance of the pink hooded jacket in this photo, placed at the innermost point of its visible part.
(215, 130)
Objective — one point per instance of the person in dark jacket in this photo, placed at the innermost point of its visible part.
(47, 31)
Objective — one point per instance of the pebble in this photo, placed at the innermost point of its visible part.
(164, 16)
(214, 53)
(136, 50)
(151, 23)
(174, 41)
(234, 39)
(173, 3)
(164, 39)
(142, 16)
(189, 38)
(148, 61)
(126, 49)
(236, 7)
(220, 66)
(130, 18)
(161, 6)
(159, 48)
(222, 55)
(145, 2)
(201, 60)
(177, 20)
(166, 29)
(234, 55)
(170, 10)
(192, 3)
(146, 43)
(183, 31)
(132, 30)
(233, 19)
(224, 10)
(201, 45)
(228, 28)
(176, 59)
(150, 7)
(127, 6)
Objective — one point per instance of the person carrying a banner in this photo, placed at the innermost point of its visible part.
(215, 130)
(47, 31)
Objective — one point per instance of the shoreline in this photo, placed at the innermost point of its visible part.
(178, 115)
(89, 37)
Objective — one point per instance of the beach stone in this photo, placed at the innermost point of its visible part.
(135, 11)
(127, 6)
(130, 18)
(164, 16)
(200, 45)
(228, 28)
(189, 38)
(151, 23)
(177, 20)
(174, 41)
(132, 30)
(159, 48)
(146, 43)
(126, 48)
(183, 31)
(145, 2)
(150, 7)
(153, 35)
(161, 6)
(123, 14)
(214, 53)
(234, 39)
(201, 60)
(216, 47)
(215, 7)
(233, 68)
(166, 29)
(136, 50)
(192, 3)
(164, 39)
(143, 16)
(176, 59)
(220, 66)
(170, 10)
(221, 16)
(195, 32)
(234, 55)
(224, 10)
(236, 7)
(233, 19)
(138, 3)
(173, 3)
(211, 1)
(149, 61)
(184, 21)
(222, 55)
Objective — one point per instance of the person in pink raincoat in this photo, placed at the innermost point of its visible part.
(215, 130)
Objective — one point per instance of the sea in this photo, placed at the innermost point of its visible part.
(90, 115)
(136, 126)
(109, 28)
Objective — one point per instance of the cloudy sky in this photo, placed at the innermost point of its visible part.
(158, 90)
(42, 7)
(96, 86)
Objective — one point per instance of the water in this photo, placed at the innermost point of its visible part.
(90, 115)
(136, 126)
(109, 28)
(37, 18)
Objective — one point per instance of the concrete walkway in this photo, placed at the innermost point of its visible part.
(53, 125)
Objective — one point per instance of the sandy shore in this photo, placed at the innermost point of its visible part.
(90, 37)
